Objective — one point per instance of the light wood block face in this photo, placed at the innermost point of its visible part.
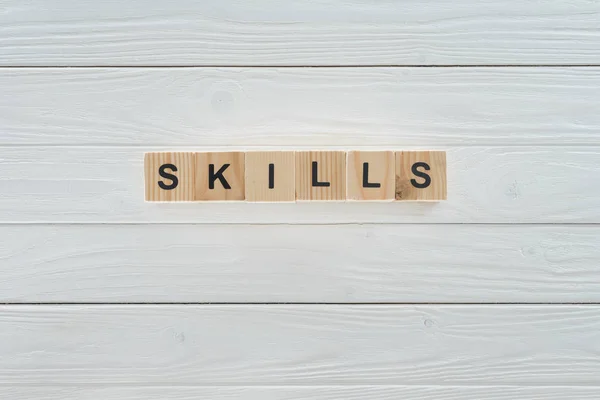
(288, 176)
(220, 176)
(270, 176)
(321, 175)
(169, 176)
(421, 175)
(370, 175)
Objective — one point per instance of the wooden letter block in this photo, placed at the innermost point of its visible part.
(220, 176)
(270, 176)
(321, 175)
(421, 175)
(371, 175)
(169, 176)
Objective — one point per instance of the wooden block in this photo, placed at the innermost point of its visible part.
(220, 176)
(321, 175)
(421, 175)
(270, 176)
(370, 175)
(169, 176)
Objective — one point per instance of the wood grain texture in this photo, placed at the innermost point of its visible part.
(182, 167)
(74, 227)
(388, 107)
(299, 263)
(299, 345)
(258, 176)
(220, 176)
(379, 171)
(489, 184)
(350, 392)
(316, 32)
(320, 175)
(421, 175)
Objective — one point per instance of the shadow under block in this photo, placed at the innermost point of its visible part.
(421, 175)
(169, 176)
(370, 175)
(270, 176)
(321, 175)
(220, 176)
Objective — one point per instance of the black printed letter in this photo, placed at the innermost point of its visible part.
(315, 182)
(212, 177)
(366, 178)
(420, 174)
(271, 176)
(173, 178)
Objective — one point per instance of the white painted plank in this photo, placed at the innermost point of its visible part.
(300, 106)
(299, 263)
(350, 392)
(299, 345)
(485, 185)
(315, 32)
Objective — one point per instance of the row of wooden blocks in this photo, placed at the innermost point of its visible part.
(288, 176)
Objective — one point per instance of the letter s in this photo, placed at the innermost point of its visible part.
(420, 174)
(173, 178)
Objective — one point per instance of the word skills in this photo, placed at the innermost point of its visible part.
(291, 176)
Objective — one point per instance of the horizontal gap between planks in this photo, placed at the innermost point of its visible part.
(208, 203)
(194, 148)
(149, 384)
(314, 66)
(174, 303)
(81, 388)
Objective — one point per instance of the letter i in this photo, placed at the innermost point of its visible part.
(271, 176)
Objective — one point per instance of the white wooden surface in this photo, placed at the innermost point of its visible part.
(299, 263)
(315, 32)
(340, 392)
(300, 106)
(521, 126)
(262, 345)
(502, 184)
